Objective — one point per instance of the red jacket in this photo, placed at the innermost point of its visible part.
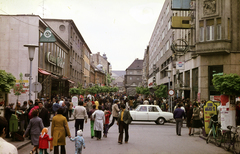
(107, 115)
(43, 141)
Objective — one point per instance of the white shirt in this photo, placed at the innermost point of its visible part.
(7, 148)
(60, 103)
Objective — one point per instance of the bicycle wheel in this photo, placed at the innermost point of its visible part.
(236, 145)
(227, 140)
(218, 138)
(210, 137)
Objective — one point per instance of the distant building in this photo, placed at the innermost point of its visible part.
(133, 77)
(118, 81)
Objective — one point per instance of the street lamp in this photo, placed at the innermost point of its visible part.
(169, 100)
(31, 51)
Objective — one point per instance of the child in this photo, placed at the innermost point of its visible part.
(79, 142)
(43, 141)
(107, 115)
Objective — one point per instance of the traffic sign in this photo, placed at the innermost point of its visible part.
(36, 87)
(171, 92)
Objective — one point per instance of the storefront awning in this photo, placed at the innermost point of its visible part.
(54, 76)
(70, 81)
(43, 72)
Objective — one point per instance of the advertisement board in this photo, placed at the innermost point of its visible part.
(209, 109)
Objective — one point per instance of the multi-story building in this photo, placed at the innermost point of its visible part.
(87, 68)
(145, 72)
(133, 77)
(98, 59)
(212, 36)
(118, 80)
(69, 32)
(50, 65)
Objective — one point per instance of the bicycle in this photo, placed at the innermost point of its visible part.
(231, 138)
(215, 134)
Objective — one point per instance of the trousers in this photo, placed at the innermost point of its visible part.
(178, 126)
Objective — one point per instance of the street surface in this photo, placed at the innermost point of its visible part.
(144, 138)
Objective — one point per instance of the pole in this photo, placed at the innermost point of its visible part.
(30, 80)
(169, 95)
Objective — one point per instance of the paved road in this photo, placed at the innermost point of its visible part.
(145, 138)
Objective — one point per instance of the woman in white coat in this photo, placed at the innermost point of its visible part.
(99, 117)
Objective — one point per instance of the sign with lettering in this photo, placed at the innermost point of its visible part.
(55, 61)
(179, 65)
(209, 109)
(75, 101)
(47, 37)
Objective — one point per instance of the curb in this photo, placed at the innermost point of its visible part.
(24, 144)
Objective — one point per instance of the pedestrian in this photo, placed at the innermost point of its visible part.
(92, 120)
(43, 141)
(89, 105)
(79, 142)
(115, 114)
(145, 102)
(55, 107)
(178, 115)
(99, 117)
(23, 116)
(79, 114)
(43, 114)
(107, 114)
(124, 119)
(189, 112)
(35, 127)
(197, 123)
(48, 105)
(36, 107)
(59, 131)
(5, 147)
(70, 109)
(97, 103)
(65, 110)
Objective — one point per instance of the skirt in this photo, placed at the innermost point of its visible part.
(35, 139)
(197, 124)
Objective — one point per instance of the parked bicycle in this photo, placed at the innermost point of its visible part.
(232, 139)
(215, 134)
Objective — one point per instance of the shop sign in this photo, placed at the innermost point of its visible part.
(180, 65)
(75, 101)
(47, 37)
(209, 109)
(55, 61)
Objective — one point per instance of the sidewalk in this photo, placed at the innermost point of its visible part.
(20, 144)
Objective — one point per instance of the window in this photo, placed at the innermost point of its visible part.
(130, 78)
(163, 34)
(201, 31)
(137, 78)
(167, 11)
(161, 53)
(167, 45)
(152, 109)
(219, 33)
(130, 72)
(143, 109)
(210, 30)
(169, 24)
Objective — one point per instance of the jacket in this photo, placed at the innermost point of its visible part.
(196, 114)
(99, 120)
(59, 129)
(7, 147)
(115, 110)
(178, 113)
(80, 112)
(43, 141)
(35, 126)
(127, 119)
(43, 114)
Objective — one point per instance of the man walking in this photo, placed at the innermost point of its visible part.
(79, 114)
(43, 114)
(178, 114)
(124, 119)
(115, 111)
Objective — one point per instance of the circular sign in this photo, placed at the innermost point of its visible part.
(47, 33)
(36, 87)
(171, 92)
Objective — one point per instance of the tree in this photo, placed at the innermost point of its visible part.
(74, 91)
(109, 79)
(143, 90)
(228, 84)
(7, 81)
(161, 91)
(82, 91)
(18, 88)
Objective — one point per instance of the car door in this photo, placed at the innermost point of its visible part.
(153, 113)
(142, 113)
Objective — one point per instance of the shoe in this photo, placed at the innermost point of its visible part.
(119, 142)
(126, 141)
(31, 152)
(92, 136)
(179, 134)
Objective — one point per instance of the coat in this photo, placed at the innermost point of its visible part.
(99, 117)
(127, 119)
(45, 117)
(43, 141)
(35, 126)
(196, 114)
(115, 110)
(59, 124)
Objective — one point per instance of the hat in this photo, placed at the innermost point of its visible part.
(79, 132)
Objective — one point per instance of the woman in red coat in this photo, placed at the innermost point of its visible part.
(43, 141)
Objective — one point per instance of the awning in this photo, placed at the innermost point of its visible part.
(54, 76)
(43, 72)
(70, 81)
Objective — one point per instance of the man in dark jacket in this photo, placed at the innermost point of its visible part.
(43, 114)
(8, 113)
(178, 115)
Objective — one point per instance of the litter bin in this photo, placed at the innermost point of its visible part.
(13, 123)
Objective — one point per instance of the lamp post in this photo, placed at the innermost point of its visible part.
(169, 100)
(31, 51)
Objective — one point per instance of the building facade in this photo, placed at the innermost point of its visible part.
(133, 77)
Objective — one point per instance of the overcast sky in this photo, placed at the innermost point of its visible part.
(119, 28)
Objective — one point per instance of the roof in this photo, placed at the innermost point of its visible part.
(118, 73)
(136, 65)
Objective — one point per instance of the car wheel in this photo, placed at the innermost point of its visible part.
(160, 121)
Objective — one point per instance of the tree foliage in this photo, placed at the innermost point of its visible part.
(161, 91)
(143, 90)
(228, 84)
(74, 91)
(7, 81)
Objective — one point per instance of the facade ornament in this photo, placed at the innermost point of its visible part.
(209, 7)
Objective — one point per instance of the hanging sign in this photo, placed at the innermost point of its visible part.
(47, 37)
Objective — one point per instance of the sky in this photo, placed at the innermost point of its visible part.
(119, 28)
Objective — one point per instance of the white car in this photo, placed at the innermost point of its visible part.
(151, 113)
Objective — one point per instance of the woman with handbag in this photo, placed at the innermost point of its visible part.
(59, 131)
(196, 123)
